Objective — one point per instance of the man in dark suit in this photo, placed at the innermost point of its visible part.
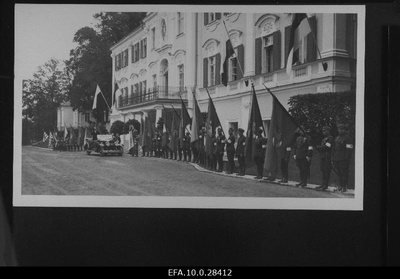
(186, 147)
(230, 151)
(341, 154)
(240, 148)
(325, 151)
(260, 147)
(219, 151)
(303, 152)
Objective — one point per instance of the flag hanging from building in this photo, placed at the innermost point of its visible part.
(226, 52)
(212, 124)
(197, 121)
(172, 142)
(280, 135)
(116, 89)
(255, 123)
(98, 91)
(184, 122)
(66, 132)
(300, 28)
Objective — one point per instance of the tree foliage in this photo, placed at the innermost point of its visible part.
(41, 96)
(117, 127)
(90, 63)
(134, 122)
(314, 111)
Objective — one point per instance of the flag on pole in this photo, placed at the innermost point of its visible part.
(255, 122)
(280, 135)
(184, 122)
(45, 136)
(211, 125)
(116, 89)
(98, 91)
(227, 52)
(197, 121)
(172, 135)
(66, 132)
(300, 28)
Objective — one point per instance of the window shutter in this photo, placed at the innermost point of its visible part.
(218, 16)
(132, 54)
(205, 72)
(240, 57)
(287, 38)
(311, 45)
(218, 69)
(126, 57)
(205, 18)
(258, 56)
(277, 51)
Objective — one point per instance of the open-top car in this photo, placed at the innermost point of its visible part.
(104, 145)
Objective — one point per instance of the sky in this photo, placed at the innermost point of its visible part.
(45, 31)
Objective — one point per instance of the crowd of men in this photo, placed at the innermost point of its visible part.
(335, 153)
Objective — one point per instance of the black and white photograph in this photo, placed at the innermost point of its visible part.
(174, 106)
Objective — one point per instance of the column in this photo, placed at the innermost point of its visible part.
(249, 46)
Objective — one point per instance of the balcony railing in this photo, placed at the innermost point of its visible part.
(153, 94)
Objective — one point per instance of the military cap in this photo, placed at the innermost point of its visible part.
(230, 129)
(241, 130)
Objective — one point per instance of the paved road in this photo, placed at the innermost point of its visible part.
(47, 172)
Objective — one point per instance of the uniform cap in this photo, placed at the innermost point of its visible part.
(241, 130)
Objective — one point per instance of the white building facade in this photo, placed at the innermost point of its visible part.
(172, 55)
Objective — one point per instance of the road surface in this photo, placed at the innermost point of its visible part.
(48, 172)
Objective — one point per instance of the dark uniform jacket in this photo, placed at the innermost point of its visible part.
(186, 142)
(325, 149)
(230, 144)
(241, 144)
(302, 147)
(260, 146)
(201, 141)
(283, 149)
(342, 148)
(220, 144)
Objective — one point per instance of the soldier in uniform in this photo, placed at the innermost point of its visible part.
(341, 154)
(325, 150)
(186, 147)
(283, 150)
(219, 151)
(260, 147)
(240, 148)
(202, 153)
(230, 151)
(135, 135)
(303, 152)
(159, 144)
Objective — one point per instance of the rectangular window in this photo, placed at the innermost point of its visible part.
(211, 71)
(180, 23)
(234, 68)
(126, 57)
(155, 82)
(136, 46)
(268, 58)
(181, 78)
(153, 38)
(144, 48)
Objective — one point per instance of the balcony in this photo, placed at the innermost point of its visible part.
(159, 93)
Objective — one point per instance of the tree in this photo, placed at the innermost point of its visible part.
(42, 95)
(90, 63)
(117, 127)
